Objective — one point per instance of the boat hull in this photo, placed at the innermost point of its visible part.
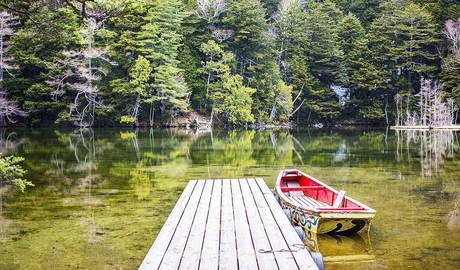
(315, 223)
(319, 208)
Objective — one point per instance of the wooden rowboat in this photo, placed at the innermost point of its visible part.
(318, 208)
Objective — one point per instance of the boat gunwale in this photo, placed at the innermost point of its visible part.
(366, 212)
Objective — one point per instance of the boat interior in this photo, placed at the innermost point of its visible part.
(311, 193)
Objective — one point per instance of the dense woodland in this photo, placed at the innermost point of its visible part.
(238, 62)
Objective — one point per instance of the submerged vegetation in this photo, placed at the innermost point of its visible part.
(146, 63)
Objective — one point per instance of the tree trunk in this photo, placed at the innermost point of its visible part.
(386, 111)
(135, 113)
(151, 114)
(2, 92)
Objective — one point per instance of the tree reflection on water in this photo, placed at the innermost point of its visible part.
(434, 147)
(101, 195)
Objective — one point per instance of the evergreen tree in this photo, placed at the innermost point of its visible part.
(36, 47)
(365, 10)
(229, 97)
(291, 45)
(402, 37)
(154, 31)
(324, 59)
(233, 100)
(255, 55)
(138, 88)
(323, 46)
(361, 77)
(402, 41)
(159, 41)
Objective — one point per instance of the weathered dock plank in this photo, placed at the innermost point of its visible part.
(192, 252)
(227, 224)
(210, 252)
(227, 249)
(291, 237)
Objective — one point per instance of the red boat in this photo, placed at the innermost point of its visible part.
(318, 208)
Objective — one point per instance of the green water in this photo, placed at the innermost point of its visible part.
(101, 196)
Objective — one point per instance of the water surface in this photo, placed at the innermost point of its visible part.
(101, 196)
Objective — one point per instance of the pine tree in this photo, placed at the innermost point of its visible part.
(402, 37)
(159, 41)
(291, 45)
(229, 97)
(365, 10)
(254, 51)
(361, 77)
(324, 59)
(234, 101)
(171, 90)
(153, 30)
(138, 88)
(323, 46)
(36, 47)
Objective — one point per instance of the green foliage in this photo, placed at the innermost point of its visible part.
(159, 41)
(323, 42)
(137, 88)
(126, 119)
(11, 173)
(230, 98)
(171, 59)
(140, 74)
(35, 47)
(284, 101)
(171, 89)
(402, 37)
(323, 103)
(233, 100)
(365, 10)
(254, 52)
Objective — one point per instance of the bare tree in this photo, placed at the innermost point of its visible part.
(209, 10)
(85, 70)
(452, 33)
(434, 147)
(8, 109)
(221, 34)
(431, 108)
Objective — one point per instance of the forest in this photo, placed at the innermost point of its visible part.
(91, 63)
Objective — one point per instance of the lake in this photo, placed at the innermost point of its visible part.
(102, 195)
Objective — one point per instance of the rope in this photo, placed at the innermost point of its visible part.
(298, 246)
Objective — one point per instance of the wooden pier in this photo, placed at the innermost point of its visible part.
(423, 128)
(227, 224)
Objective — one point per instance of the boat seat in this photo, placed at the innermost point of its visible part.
(300, 198)
(339, 200)
(308, 201)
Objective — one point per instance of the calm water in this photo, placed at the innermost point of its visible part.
(101, 196)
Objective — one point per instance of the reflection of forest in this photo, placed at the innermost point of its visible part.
(434, 147)
(74, 157)
(342, 250)
(9, 143)
(108, 190)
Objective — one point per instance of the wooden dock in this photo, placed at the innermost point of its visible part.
(227, 224)
(423, 128)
